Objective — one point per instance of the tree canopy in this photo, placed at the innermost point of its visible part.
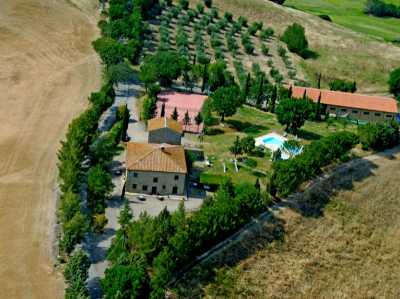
(295, 38)
(226, 100)
(394, 83)
(293, 113)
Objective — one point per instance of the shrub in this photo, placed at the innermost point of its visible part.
(242, 21)
(394, 83)
(281, 51)
(248, 48)
(208, 3)
(296, 40)
(293, 113)
(76, 274)
(379, 136)
(228, 16)
(379, 8)
(214, 13)
(343, 85)
(200, 8)
(184, 4)
(266, 33)
(99, 222)
(264, 50)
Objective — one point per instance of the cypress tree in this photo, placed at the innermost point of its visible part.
(162, 114)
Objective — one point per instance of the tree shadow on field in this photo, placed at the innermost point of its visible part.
(312, 202)
(245, 126)
(307, 135)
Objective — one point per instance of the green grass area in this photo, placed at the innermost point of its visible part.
(350, 14)
(249, 121)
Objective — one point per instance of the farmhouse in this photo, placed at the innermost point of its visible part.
(155, 169)
(351, 105)
(164, 130)
(190, 102)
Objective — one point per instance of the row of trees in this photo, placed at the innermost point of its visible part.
(148, 253)
(288, 175)
(75, 148)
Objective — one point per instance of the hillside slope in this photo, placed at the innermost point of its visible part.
(47, 70)
(342, 52)
(351, 251)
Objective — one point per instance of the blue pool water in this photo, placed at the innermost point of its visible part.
(273, 141)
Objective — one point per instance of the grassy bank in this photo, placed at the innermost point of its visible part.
(350, 14)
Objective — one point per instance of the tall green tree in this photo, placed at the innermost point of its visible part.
(186, 119)
(394, 83)
(236, 148)
(295, 38)
(175, 114)
(293, 113)
(111, 52)
(149, 108)
(99, 186)
(226, 100)
(199, 120)
(76, 274)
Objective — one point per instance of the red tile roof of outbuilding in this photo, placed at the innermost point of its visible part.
(348, 100)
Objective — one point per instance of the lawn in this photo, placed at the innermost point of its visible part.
(249, 121)
(350, 14)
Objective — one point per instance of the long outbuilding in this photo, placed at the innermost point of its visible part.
(351, 105)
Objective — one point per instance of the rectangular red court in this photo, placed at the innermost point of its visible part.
(191, 102)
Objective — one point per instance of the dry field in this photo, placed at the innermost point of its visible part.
(342, 52)
(352, 250)
(47, 70)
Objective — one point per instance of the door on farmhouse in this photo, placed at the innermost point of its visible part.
(154, 190)
(174, 190)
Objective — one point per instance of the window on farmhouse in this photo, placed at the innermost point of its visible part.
(176, 177)
(344, 110)
(135, 174)
(355, 111)
(134, 186)
(366, 113)
(377, 114)
(155, 180)
(388, 115)
(144, 188)
(332, 108)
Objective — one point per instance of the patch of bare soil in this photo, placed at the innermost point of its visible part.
(47, 70)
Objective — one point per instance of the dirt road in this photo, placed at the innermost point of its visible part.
(47, 70)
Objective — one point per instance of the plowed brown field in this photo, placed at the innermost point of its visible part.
(47, 70)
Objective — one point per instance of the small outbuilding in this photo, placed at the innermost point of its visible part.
(164, 130)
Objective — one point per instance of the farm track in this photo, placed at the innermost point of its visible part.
(47, 70)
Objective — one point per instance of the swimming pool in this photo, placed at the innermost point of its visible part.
(273, 140)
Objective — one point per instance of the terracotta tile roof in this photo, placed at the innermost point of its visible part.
(155, 157)
(348, 100)
(164, 122)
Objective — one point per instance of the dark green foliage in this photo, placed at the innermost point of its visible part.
(123, 117)
(294, 37)
(208, 3)
(175, 114)
(228, 16)
(184, 4)
(148, 108)
(73, 231)
(125, 281)
(248, 144)
(278, 1)
(379, 8)
(76, 274)
(198, 120)
(379, 136)
(110, 51)
(218, 75)
(99, 186)
(242, 21)
(164, 66)
(120, 72)
(266, 33)
(236, 148)
(287, 175)
(394, 83)
(226, 100)
(214, 13)
(293, 113)
(200, 8)
(264, 50)
(343, 85)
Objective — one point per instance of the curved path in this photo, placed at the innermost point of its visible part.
(47, 70)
